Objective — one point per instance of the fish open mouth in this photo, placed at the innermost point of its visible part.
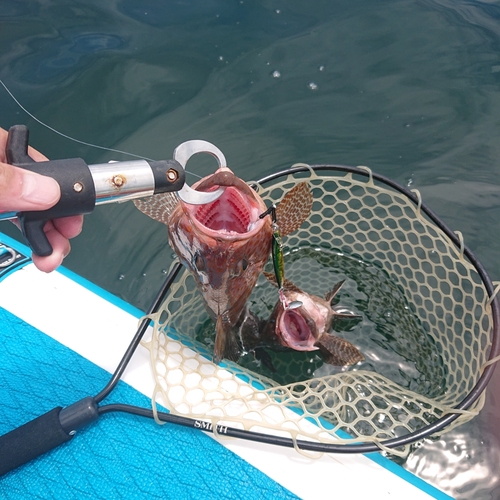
(295, 331)
(230, 213)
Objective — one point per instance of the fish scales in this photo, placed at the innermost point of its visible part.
(306, 328)
(225, 245)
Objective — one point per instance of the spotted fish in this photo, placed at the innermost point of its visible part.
(225, 244)
(306, 328)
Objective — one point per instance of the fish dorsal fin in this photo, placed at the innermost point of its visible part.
(158, 207)
(294, 209)
(329, 296)
(287, 284)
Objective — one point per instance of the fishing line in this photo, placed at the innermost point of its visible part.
(31, 115)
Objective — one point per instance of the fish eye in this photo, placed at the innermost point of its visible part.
(240, 267)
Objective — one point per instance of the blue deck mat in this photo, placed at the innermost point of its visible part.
(120, 455)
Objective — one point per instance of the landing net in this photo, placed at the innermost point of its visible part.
(403, 259)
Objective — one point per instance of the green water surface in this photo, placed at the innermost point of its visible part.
(409, 88)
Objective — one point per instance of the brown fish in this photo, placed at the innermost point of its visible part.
(225, 244)
(305, 328)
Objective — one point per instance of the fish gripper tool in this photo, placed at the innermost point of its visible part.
(83, 186)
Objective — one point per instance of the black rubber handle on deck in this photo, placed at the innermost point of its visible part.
(31, 440)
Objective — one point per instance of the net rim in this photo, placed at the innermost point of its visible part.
(485, 377)
(437, 426)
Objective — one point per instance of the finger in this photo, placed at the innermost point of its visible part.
(23, 190)
(36, 155)
(69, 227)
(60, 248)
(3, 143)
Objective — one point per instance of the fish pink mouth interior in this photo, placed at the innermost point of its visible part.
(231, 212)
(295, 330)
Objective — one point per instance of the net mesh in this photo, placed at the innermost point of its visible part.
(425, 333)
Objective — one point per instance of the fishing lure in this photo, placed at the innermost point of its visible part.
(278, 258)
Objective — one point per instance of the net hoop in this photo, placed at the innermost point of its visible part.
(470, 404)
(494, 354)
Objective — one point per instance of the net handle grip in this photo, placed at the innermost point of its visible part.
(44, 433)
(31, 440)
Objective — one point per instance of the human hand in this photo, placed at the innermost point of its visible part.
(22, 190)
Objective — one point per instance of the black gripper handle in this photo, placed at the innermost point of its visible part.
(31, 440)
(78, 194)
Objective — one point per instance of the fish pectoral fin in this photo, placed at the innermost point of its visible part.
(337, 351)
(249, 331)
(226, 345)
(329, 296)
(294, 209)
(287, 284)
(158, 207)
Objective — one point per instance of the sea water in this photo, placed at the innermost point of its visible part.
(410, 89)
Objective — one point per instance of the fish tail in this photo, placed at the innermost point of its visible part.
(338, 352)
(226, 345)
(294, 209)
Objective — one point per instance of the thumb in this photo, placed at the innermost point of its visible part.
(22, 190)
